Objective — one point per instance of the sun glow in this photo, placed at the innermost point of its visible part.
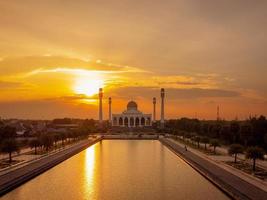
(88, 85)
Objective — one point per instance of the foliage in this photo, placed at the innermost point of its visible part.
(46, 141)
(35, 143)
(235, 149)
(197, 139)
(251, 132)
(254, 153)
(9, 146)
(214, 143)
(7, 132)
(205, 140)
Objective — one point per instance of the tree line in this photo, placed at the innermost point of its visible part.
(249, 136)
(251, 132)
(45, 140)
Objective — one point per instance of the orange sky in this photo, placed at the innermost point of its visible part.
(54, 55)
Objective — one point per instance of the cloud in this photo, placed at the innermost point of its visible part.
(173, 93)
(9, 85)
(13, 86)
(45, 64)
(46, 109)
(75, 97)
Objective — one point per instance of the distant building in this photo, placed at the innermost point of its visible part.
(131, 117)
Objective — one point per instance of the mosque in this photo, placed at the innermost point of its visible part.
(132, 117)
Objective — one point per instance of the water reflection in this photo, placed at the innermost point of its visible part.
(89, 170)
(120, 169)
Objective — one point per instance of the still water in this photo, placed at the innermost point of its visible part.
(119, 169)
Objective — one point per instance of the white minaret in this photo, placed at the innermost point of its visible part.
(100, 105)
(154, 109)
(109, 110)
(162, 94)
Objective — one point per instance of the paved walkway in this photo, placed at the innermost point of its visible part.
(220, 161)
(234, 185)
(224, 151)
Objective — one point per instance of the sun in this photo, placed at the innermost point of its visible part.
(88, 86)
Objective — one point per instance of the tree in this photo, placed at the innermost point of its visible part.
(35, 143)
(56, 138)
(188, 135)
(47, 141)
(246, 133)
(63, 138)
(235, 149)
(255, 153)
(197, 140)
(205, 140)
(214, 143)
(7, 132)
(234, 128)
(9, 146)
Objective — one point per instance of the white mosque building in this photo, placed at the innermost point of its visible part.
(131, 117)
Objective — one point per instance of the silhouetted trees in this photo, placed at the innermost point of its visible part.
(197, 139)
(251, 132)
(205, 140)
(214, 143)
(35, 143)
(7, 132)
(9, 146)
(235, 149)
(255, 153)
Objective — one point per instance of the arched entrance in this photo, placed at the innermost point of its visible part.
(148, 121)
(126, 122)
(131, 121)
(137, 121)
(120, 121)
(143, 121)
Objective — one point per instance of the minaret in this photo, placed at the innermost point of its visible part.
(162, 94)
(100, 105)
(154, 109)
(109, 110)
(218, 113)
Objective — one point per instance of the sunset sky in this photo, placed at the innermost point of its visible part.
(55, 54)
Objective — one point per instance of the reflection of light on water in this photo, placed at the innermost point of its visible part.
(89, 168)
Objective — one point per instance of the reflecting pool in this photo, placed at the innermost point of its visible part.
(120, 169)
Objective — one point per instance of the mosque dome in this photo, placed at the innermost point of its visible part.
(132, 105)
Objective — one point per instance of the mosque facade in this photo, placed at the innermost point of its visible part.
(131, 117)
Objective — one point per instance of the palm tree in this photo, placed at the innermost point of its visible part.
(9, 146)
(214, 143)
(255, 153)
(205, 140)
(35, 143)
(235, 149)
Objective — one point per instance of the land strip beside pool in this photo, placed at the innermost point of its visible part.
(19, 176)
(234, 186)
